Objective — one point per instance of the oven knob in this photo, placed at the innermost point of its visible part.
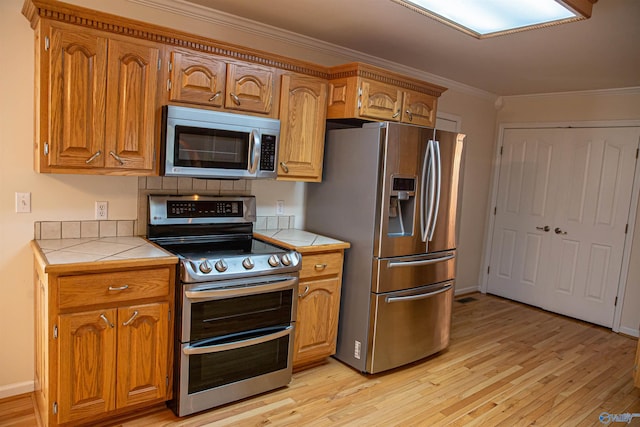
(248, 264)
(286, 259)
(205, 267)
(221, 266)
(274, 261)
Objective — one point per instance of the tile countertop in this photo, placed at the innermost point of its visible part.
(300, 240)
(91, 253)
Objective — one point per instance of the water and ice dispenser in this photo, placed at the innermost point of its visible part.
(402, 206)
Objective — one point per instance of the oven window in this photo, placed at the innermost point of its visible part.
(217, 318)
(210, 370)
(210, 148)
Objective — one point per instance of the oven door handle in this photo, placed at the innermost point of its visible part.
(222, 293)
(189, 350)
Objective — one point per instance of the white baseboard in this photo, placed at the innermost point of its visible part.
(630, 331)
(467, 290)
(16, 389)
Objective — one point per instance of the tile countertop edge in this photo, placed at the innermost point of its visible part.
(88, 266)
(300, 246)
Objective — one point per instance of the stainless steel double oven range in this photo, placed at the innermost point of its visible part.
(235, 311)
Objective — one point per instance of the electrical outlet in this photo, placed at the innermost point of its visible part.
(23, 202)
(102, 210)
(356, 350)
(280, 207)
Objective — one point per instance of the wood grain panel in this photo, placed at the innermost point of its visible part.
(321, 265)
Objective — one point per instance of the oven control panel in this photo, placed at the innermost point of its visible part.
(204, 209)
(199, 209)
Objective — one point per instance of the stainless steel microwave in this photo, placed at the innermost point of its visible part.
(212, 144)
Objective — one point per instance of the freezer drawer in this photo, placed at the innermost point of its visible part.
(407, 272)
(409, 325)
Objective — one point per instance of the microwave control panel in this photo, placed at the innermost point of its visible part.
(268, 153)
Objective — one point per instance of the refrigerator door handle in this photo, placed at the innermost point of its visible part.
(392, 264)
(427, 181)
(438, 185)
(418, 296)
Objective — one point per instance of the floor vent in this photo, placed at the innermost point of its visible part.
(466, 300)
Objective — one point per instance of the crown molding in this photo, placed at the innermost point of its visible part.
(341, 54)
(634, 90)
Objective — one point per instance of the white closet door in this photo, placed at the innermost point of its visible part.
(575, 181)
(593, 209)
(525, 206)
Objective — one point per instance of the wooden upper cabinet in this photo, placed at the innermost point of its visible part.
(197, 78)
(132, 104)
(363, 91)
(419, 108)
(250, 88)
(78, 64)
(379, 100)
(303, 106)
(102, 107)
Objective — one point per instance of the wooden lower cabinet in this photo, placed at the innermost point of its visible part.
(318, 308)
(102, 357)
(637, 367)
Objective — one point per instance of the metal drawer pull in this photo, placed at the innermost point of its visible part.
(320, 266)
(420, 262)
(238, 344)
(304, 294)
(235, 98)
(284, 166)
(133, 316)
(92, 158)
(103, 317)
(396, 114)
(118, 158)
(419, 296)
(118, 288)
(217, 94)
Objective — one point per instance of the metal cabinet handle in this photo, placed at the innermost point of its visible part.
(118, 288)
(545, 228)
(558, 230)
(284, 167)
(118, 158)
(235, 98)
(92, 158)
(131, 319)
(410, 115)
(304, 294)
(103, 317)
(216, 95)
(395, 116)
(320, 266)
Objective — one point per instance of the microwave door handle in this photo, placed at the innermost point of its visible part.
(254, 151)
(438, 187)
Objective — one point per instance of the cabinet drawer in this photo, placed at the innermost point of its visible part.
(321, 265)
(101, 288)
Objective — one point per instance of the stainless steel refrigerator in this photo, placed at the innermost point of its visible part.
(391, 190)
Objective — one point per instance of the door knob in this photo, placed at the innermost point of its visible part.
(545, 228)
(558, 230)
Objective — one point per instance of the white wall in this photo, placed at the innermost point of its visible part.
(72, 197)
(598, 106)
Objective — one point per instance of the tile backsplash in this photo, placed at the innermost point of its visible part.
(156, 185)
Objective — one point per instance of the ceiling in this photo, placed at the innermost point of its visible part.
(602, 52)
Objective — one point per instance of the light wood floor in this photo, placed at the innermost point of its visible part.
(507, 365)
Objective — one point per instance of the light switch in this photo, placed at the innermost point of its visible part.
(23, 202)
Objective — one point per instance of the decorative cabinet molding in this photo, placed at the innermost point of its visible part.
(303, 106)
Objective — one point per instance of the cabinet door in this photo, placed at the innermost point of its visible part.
(143, 345)
(380, 101)
(132, 105)
(87, 364)
(303, 106)
(317, 320)
(419, 109)
(78, 66)
(249, 88)
(197, 78)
